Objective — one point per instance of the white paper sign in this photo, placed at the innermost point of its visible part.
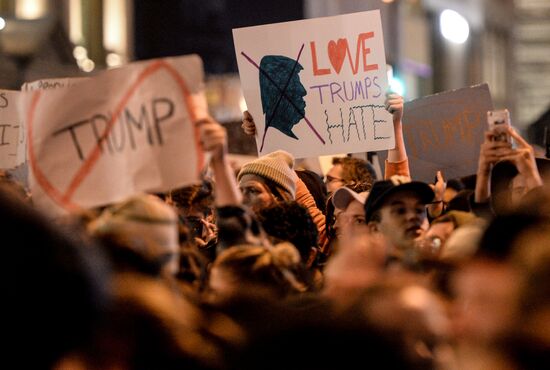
(125, 131)
(52, 83)
(316, 86)
(12, 133)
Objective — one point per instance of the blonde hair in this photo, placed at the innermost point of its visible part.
(273, 267)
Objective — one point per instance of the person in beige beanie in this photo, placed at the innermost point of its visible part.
(267, 180)
(149, 225)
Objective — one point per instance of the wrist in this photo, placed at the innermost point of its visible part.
(219, 156)
(483, 170)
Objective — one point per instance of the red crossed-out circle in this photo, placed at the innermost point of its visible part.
(64, 199)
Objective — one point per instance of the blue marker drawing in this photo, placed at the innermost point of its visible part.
(282, 94)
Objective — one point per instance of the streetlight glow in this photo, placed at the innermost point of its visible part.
(454, 27)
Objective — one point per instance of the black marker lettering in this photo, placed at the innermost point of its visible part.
(158, 119)
(71, 128)
(141, 123)
(3, 100)
(3, 128)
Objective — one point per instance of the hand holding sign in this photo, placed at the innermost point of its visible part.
(316, 88)
(394, 104)
(116, 134)
(213, 137)
(248, 125)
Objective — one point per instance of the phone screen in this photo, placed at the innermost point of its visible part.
(497, 121)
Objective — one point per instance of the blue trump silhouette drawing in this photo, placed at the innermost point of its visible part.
(282, 94)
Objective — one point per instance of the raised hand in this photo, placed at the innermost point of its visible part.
(437, 207)
(491, 152)
(213, 137)
(248, 125)
(394, 104)
(523, 157)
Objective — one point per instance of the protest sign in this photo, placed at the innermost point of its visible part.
(52, 83)
(316, 86)
(124, 131)
(445, 131)
(12, 133)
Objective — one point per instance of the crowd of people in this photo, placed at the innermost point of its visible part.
(274, 267)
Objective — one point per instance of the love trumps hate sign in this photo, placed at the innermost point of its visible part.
(316, 86)
(125, 131)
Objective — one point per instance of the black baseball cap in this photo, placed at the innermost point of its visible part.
(381, 190)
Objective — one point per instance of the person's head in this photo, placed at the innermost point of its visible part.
(290, 222)
(452, 188)
(57, 286)
(268, 180)
(348, 171)
(237, 226)
(531, 337)
(411, 311)
(315, 186)
(9, 184)
(396, 208)
(151, 224)
(491, 282)
(349, 211)
(461, 201)
(268, 272)
(194, 200)
(282, 109)
(486, 300)
(506, 186)
(150, 326)
(434, 239)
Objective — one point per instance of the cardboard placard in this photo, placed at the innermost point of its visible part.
(317, 86)
(125, 131)
(445, 131)
(12, 132)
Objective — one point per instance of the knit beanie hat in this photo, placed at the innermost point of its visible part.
(277, 167)
(143, 216)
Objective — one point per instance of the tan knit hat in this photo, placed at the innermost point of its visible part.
(277, 167)
(143, 216)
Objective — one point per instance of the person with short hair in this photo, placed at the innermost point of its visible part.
(396, 208)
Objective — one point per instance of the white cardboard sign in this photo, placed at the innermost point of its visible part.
(124, 131)
(52, 83)
(12, 133)
(316, 86)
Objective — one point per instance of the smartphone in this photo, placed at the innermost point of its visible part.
(498, 120)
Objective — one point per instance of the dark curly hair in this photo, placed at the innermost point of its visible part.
(289, 221)
(199, 196)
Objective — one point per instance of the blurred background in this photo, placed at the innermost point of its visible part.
(432, 45)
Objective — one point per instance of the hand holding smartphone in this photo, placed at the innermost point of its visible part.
(498, 121)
